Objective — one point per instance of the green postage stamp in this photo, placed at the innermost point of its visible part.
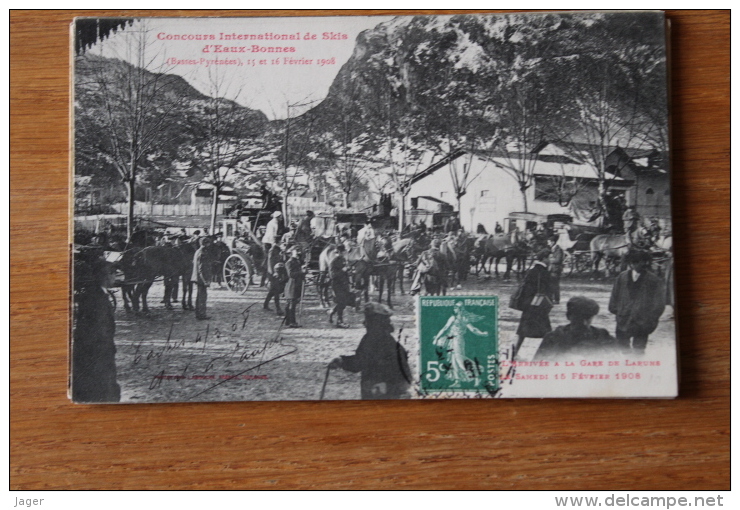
(459, 343)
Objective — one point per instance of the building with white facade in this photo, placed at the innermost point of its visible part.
(555, 183)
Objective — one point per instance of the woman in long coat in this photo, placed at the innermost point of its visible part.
(535, 320)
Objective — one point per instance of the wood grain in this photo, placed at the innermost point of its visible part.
(503, 444)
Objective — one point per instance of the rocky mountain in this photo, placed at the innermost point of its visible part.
(414, 86)
(436, 84)
(123, 111)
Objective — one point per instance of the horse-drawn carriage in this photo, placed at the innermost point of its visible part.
(585, 247)
(236, 254)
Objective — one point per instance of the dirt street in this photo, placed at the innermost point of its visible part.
(243, 353)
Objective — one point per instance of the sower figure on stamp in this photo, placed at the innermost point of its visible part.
(638, 301)
(294, 288)
(381, 359)
(450, 344)
(277, 278)
(202, 276)
(555, 261)
(535, 301)
(343, 296)
(579, 337)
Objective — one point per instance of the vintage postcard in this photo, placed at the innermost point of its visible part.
(409, 207)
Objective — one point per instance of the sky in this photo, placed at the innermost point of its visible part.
(266, 81)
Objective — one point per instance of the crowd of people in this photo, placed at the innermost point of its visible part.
(637, 300)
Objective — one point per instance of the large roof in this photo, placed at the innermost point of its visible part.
(553, 159)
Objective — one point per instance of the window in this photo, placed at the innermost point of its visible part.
(484, 193)
(649, 191)
(442, 194)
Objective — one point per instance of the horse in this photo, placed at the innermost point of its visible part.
(405, 251)
(447, 250)
(362, 269)
(564, 240)
(187, 251)
(610, 247)
(614, 247)
(352, 254)
(492, 248)
(142, 267)
(384, 268)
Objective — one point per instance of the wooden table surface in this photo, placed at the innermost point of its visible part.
(497, 444)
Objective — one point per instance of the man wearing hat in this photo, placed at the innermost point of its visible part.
(278, 277)
(304, 233)
(578, 337)
(270, 238)
(638, 301)
(555, 261)
(93, 347)
(294, 288)
(382, 361)
(432, 269)
(289, 237)
(343, 296)
(271, 231)
(202, 276)
(535, 300)
(366, 240)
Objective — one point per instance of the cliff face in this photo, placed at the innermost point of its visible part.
(425, 60)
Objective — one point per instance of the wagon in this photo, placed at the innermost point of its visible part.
(238, 267)
(578, 257)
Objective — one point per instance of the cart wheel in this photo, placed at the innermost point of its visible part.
(236, 274)
(582, 262)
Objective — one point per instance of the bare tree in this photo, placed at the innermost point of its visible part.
(129, 102)
(405, 156)
(289, 151)
(225, 138)
(616, 101)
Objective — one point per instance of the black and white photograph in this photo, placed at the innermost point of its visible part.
(260, 203)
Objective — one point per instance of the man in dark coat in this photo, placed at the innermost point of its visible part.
(555, 262)
(93, 347)
(288, 238)
(381, 359)
(202, 276)
(432, 269)
(294, 288)
(535, 320)
(304, 232)
(343, 296)
(277, 278)
(579, 337)
(638, 301)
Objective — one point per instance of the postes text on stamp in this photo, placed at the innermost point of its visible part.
(459, 343)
